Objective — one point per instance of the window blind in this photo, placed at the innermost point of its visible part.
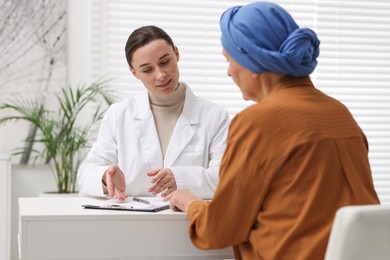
(355, 68)
(354, 63)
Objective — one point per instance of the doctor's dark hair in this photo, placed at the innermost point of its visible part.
(141, 37)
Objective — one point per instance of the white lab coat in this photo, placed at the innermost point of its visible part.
(128, 137)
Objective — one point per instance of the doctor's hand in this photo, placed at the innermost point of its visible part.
(181, 199)
(114, 179)
(163, 180)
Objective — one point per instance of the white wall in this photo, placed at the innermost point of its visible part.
(33, 59)
(5, 207)
(78, 42)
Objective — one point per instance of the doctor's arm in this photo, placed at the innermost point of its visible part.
(101, 156)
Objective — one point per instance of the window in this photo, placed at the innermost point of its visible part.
(354, 64)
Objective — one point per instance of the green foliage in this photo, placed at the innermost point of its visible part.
(64, 141)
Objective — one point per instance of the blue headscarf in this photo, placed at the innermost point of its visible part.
(263, 37)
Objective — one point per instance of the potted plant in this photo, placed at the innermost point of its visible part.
(63, 136)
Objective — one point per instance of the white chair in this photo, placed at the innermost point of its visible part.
(360, 233)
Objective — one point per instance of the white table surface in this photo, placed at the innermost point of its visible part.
(59, 228)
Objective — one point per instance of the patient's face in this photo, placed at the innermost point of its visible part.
(155, 64)
(243, 79)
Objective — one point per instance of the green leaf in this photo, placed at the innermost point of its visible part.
(62, 136)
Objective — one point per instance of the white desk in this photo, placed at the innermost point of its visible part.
(59, 228)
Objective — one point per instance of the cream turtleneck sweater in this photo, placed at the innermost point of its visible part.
(166, 110)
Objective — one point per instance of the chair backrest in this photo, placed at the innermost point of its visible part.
(360, 233)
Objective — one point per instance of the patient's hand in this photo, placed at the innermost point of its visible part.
(181, 199)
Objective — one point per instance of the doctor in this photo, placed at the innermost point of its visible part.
(164, 139)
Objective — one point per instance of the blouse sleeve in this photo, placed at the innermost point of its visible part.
(228, 219)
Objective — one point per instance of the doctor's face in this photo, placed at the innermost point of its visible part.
(155, 64)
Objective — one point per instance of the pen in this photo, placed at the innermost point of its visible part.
(141, 200)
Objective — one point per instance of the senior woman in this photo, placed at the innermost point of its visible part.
(292, 159)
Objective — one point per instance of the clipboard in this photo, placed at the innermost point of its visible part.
(136, 204)
(149, 208)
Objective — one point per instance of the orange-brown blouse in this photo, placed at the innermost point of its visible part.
(291, 161)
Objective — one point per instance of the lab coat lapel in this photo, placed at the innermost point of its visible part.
(146, 132)
(181, 136)
(184, 130)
